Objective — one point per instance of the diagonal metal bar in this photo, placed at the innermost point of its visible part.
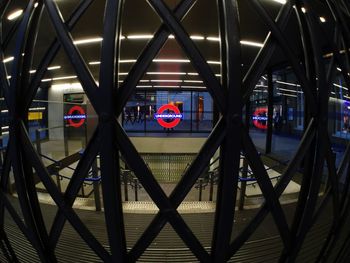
(5, 173)
(266, 187)
(157, 194)
(181, 189)
(343, 23)
(148, 54)
(28, 198)
(51, 53)
(29, 48)
(336, 230)
(3, 71)
(74, 185)
(22, 196)
(20, 45)
(199, 63)
(82, 70)
(321, 147)
(265, 54)
(333, 178)
(28, 44)
(7, 248)
(283, 43)
(346, 187)
(110, 170)
(279, 188)
(230, 151)
(6, 40)
(16, 218)
(50, 186)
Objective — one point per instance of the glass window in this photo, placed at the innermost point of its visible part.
(146, 110)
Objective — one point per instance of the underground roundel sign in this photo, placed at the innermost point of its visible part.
(168, 116)
(76, 116)
(260, 118)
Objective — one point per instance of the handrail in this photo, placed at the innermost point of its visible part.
(52, 128)
(56, 162)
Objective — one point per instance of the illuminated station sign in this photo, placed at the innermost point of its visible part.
(260, 118)
(168, 116)
(76, 116)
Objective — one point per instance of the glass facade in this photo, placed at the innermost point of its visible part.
(196, 108)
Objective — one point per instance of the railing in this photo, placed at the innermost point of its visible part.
(38, 139)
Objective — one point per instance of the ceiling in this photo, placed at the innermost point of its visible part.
(139, 18)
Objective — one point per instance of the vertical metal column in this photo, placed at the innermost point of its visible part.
(96, 186)
(269, 112)
(242, 192)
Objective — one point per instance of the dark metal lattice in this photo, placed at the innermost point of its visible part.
(230, 134)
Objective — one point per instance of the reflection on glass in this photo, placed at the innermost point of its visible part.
(142, 110)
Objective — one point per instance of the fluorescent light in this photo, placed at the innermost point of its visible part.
(127, 60)
(339, 69)
(287, 83)
(339, 86)
(167, 60)
(197, 37)
(280, 1)
(15, 14)
(94, 63)
(288, 95)
(9, 59)
(88, 41)
(37, 108)
(144, 86)
(214, 62)
(166, 73)
(144, 80)
(218, 75)
(322, 19)
(193, 81)
(36, 5)
(294, 91)
(4, 111)
(192, 74)
(8, 77)
(251, 43)
(32, 71)
(166, 86)
(46, 80)
(171, 37)
(145, 36)
(53, 67)
(5, 127)
(303, 9)
(65, 77)
(166, 80)
(123, 73)
(215, 39)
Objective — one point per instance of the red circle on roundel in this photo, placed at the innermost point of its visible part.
(257, 123)
(173, 123)
(80, 111)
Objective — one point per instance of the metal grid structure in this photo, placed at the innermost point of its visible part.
(229, 134)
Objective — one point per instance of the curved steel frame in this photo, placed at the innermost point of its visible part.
(230, 133)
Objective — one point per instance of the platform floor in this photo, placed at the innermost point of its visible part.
(263, 246)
